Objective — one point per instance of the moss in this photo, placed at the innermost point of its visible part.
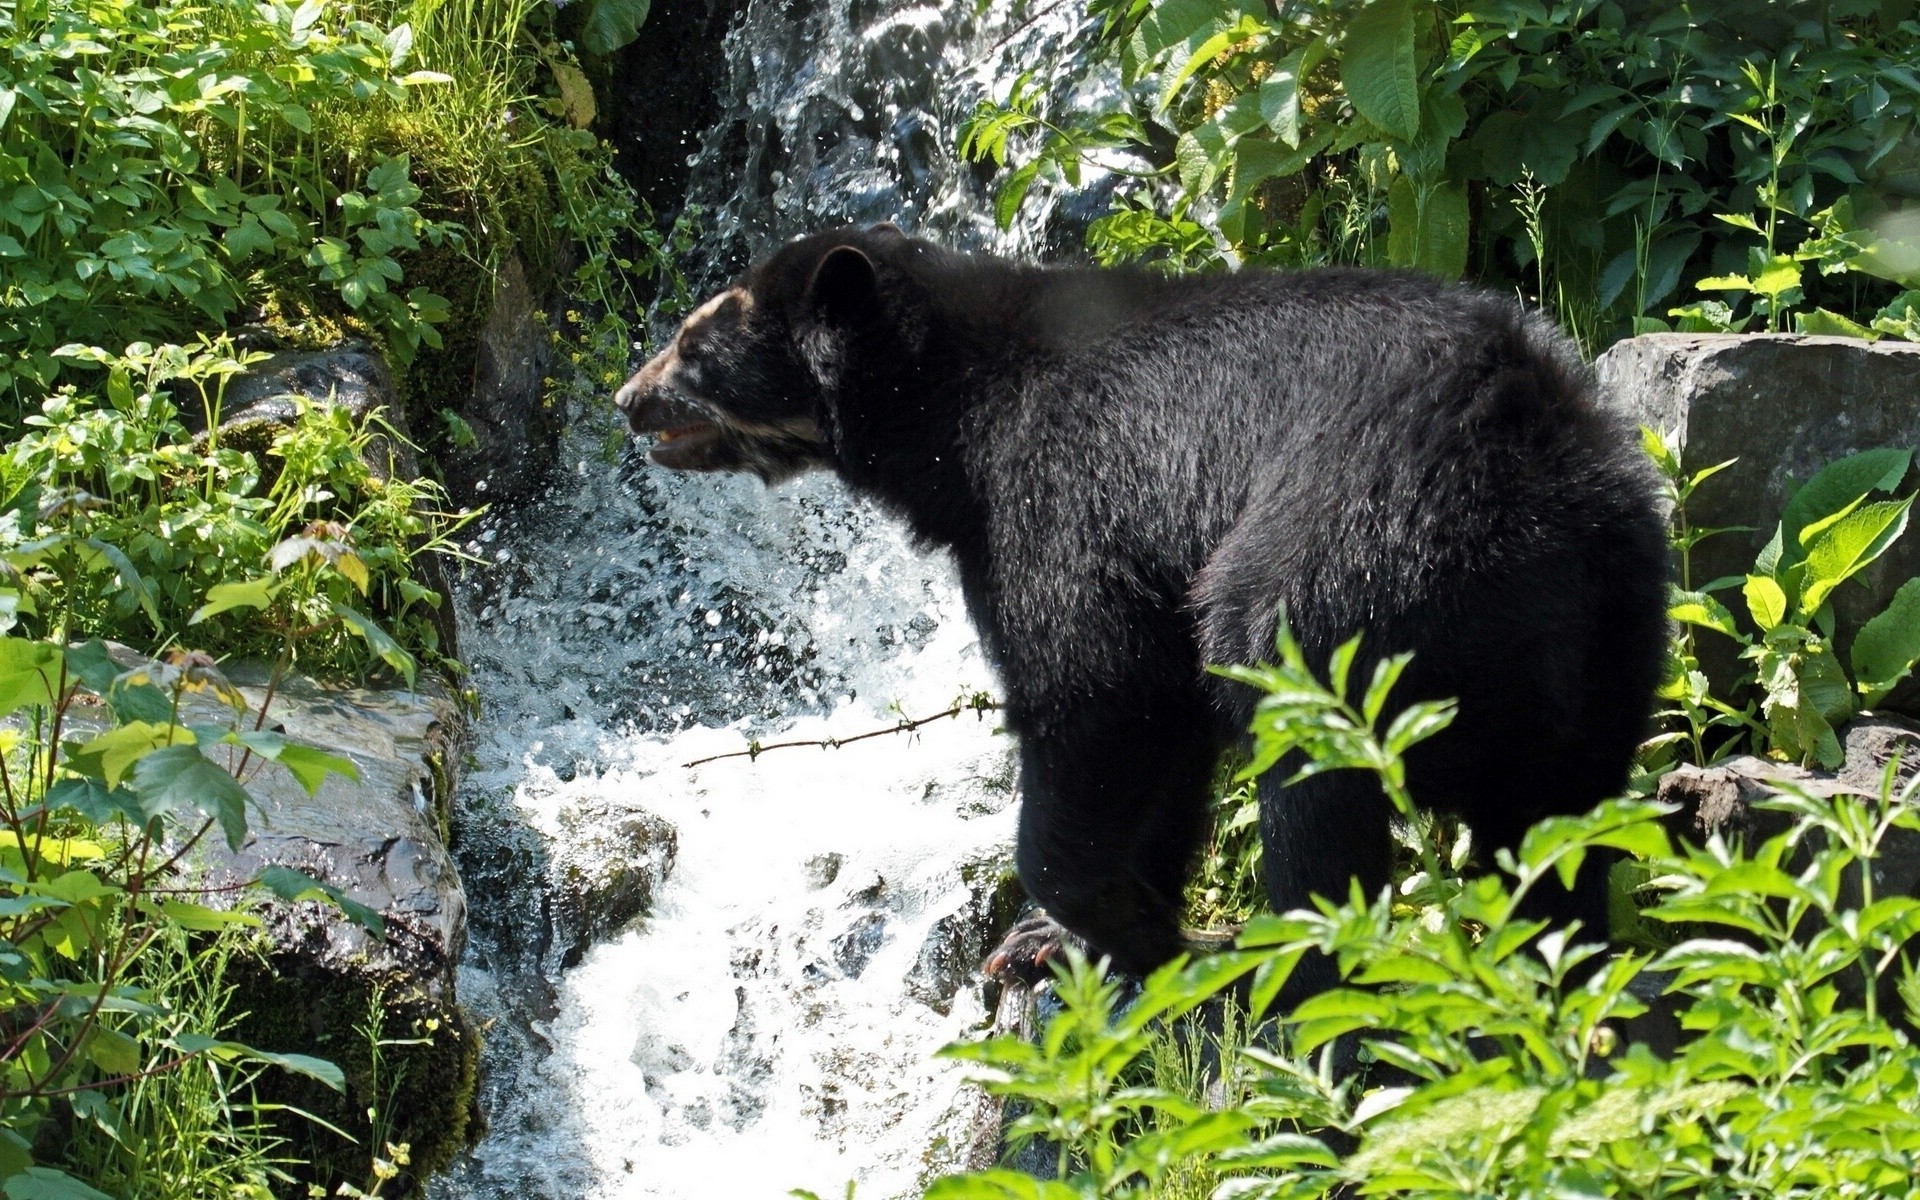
(423, 1089)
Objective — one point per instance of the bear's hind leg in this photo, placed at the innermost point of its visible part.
(1317, 836)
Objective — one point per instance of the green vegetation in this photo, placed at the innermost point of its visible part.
(112, 776)
(1831, 530)
(1631, 165)
(181, 183)
(1496, 1059)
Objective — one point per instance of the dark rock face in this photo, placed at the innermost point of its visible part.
(666, 91)
(515, 424)
(1785, 405)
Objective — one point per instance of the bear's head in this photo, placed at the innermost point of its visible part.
(753, 379)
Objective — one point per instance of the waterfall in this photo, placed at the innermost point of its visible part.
(729, 980)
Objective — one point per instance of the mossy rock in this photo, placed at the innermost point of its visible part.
(421, 1089)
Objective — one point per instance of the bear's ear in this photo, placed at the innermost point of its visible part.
(844, 289)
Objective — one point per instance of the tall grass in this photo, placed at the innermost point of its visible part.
(195, 1131)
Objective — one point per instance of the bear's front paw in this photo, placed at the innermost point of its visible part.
(1027, 949)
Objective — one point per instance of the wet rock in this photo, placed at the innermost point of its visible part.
(515, 423)
(855, 948)
(1785, 405)
(604, 872)
(950, 956)
(320, 982)
(823, 869)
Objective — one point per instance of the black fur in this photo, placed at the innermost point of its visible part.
(1132, 472)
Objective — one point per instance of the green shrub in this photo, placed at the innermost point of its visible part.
(1502, 1061)
(109, 784)
(1630, 163)
(1831, 530)
(116, 521)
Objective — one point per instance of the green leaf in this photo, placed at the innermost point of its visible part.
(377, 640)
(1888, 645)
(294, 886)
(1832, 324)
(112, 753)
(182, 777)
(612, 24)
(1428, 227)
(29, 671)
(95, 801)
(1766, 600)
(1850, 544)
(1702, 610)
(201, 919)
(113, 1051)
(1013, 191)
(299, 1064)
(1280, 96)
(46, 1183)
(307, 765)
(1378, 70)
(1838, 486)
(225, 597)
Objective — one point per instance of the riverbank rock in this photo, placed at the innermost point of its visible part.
(323, 985)
(1722, 798)
(514, 422)
(1785, 405)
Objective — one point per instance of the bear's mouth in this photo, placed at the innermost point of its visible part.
(687, 447)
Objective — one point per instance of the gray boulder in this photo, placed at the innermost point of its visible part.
(516, 431)
(1785, 405)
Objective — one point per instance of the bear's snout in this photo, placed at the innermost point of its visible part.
(649, 402)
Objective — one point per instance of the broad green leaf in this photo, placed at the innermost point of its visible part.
(299, 1064)
(201, 919)
(1888, 645)
(307, 765)
(377, 640)
(612, 24)
(1280, 96)
(224, 597)
(1840, 484)
(1780, 275)
(1378, 70)
(95, 801)
(1848, 545)
(294, 886)
(113, 1051)
(1766, 600)
(114, 752)
(29, 671)
(182, 777)
(1427, 227)
(1702, 610)
(46, 1183)
(1832, 324)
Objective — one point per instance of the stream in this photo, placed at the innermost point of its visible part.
(730, 979)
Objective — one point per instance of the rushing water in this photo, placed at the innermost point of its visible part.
(812, 916)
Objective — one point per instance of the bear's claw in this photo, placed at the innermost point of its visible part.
(1027, 949)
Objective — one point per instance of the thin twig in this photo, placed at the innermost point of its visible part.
(980, 703)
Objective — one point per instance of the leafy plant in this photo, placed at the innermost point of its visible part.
(1607, 156)
(117, 520)
(1831, 530)
(1503, 1061)
(113, 777)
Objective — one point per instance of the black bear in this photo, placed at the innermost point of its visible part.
(1132, 473)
